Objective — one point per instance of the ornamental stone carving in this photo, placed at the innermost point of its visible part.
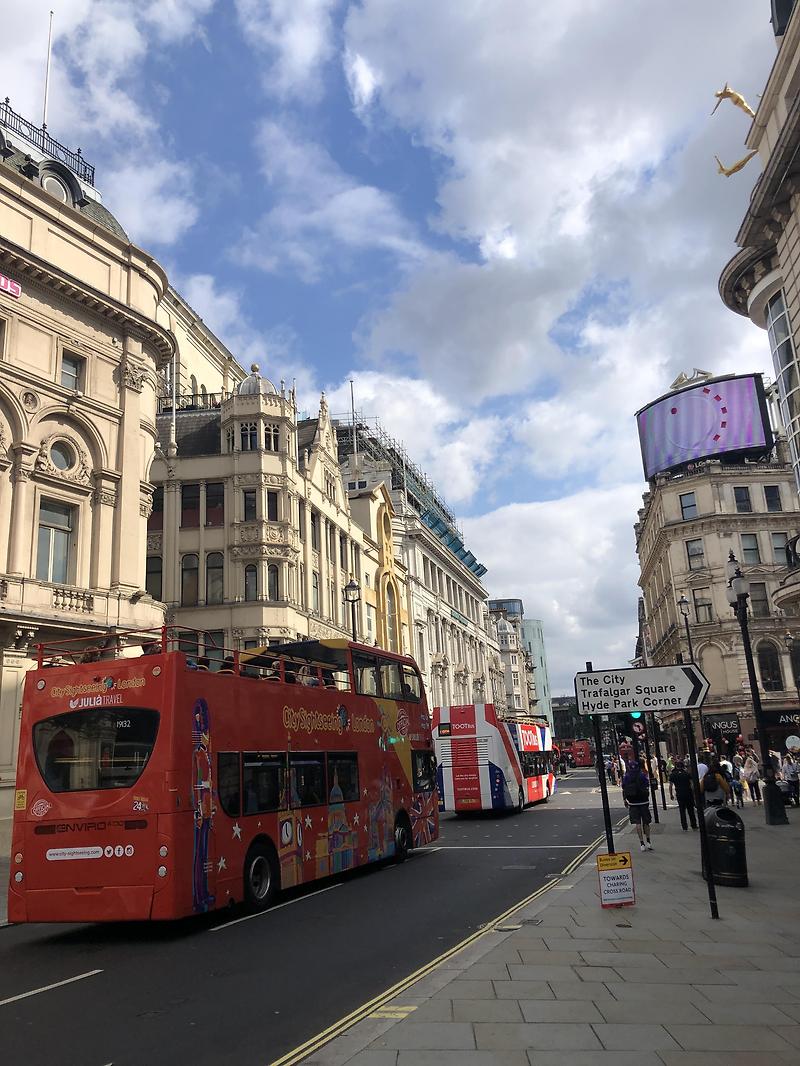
(30, 401)
(154, 542)
(259, 479)
(320, 630)
(80, 472)
(133, 375)
(146, 506)
(105, 497)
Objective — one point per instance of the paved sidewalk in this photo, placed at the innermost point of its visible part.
(658, 984)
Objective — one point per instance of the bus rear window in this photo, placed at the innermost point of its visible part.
(95, 748)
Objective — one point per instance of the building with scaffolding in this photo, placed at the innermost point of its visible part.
(452, 637)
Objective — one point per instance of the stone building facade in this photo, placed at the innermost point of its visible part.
(253, 538)
(518, 668)
(687, 526)
(82, 346)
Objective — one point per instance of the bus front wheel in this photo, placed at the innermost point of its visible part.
(520, 807)
(260, 877)
(402, 839)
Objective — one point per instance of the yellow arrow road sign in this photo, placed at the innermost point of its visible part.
(620, 860)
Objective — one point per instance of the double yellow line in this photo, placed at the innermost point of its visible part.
(380, 1001)
(315, 1043)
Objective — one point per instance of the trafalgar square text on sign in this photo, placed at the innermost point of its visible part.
(652, 688)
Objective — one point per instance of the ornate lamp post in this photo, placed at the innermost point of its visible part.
(738, 593)
(352, 594)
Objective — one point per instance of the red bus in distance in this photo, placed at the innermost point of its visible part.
(150, 789)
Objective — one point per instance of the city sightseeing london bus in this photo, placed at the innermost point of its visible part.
(484, 762)
(149, 787)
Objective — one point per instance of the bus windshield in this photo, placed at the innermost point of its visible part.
(94, 748)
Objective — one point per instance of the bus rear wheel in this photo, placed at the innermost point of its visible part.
(402, 838)
(260, 877)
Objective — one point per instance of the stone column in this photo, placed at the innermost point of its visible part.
(169, 542)
(307, 554)
(104, 501)
(127, 559)
(22, 524)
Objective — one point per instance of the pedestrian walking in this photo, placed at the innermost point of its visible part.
(714, 787)
(751, 776)
(636, 794)
(680, 789)
(737, 780)
(791, 775)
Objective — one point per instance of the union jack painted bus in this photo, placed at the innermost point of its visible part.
(484, 762)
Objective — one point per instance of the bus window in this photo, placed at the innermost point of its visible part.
(228, 782)
(390, 680)
(424, 763)
(366, 671)
(307, 776)
(264, 782)
(343, 777)
(412, 690)
(94, 748)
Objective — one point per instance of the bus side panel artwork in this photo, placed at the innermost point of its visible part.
(203, 807)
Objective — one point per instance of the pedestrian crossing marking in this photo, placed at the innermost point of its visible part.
(394, 1011)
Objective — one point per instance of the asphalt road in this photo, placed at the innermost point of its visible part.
(245, 992)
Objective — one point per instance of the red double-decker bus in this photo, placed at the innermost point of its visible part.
(149, 788)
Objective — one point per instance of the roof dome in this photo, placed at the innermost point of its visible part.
(254, 384)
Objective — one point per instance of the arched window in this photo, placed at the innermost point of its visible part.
(769, 667)
(249, 432)
(193, 381)
(214, 572)
(153, 576)
(189, 589)
(391, 617)
(272, 437)
(250, 582)
(273, 586)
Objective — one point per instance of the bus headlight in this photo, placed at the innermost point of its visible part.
(163, 851)
(18, 876)
(18, 858)
(162, 871)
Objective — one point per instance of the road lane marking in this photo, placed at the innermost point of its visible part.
(505, 847)
(277, 907)
(47, 988)
(291, 1058)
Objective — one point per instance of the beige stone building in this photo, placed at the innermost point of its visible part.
(688, 524)
(253, 537)
(84, 336)
(762, 281)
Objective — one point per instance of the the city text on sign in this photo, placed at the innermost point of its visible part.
(615, 873)
(652, 688)
(11, 288)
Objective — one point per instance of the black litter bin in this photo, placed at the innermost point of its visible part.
(725, 832)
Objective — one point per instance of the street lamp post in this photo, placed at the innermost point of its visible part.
(738, 593)
(683, 607)
(789, 641)
(352, 594)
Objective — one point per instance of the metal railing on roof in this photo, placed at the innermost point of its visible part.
(41, 139)
(191, 401)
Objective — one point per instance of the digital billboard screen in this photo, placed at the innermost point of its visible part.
(705, 421)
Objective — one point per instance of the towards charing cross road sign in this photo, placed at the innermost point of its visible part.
(652, 688)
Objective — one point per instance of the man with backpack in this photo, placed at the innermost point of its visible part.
(680, 788)
(636, 794)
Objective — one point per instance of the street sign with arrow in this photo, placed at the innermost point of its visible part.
(651, 688)
(615, 873)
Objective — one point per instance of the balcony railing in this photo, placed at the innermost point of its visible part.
(192, 401)
(38, 136)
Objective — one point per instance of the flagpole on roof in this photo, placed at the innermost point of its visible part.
(47, 72)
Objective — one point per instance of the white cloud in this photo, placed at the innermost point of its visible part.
(572, 563)
(362, 81)
(320, 214)
(156, 202)
(296, 37)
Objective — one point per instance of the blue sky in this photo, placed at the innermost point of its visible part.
(503, 220)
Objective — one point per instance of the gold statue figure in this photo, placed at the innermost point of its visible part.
(727, 93)
(727, 171)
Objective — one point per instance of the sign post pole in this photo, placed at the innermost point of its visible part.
(657, 742)
(601, 773)
(701, 822)
(653, 797)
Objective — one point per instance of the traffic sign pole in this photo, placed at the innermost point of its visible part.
(601, 773)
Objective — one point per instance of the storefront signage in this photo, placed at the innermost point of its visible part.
(9, 287)
(723, 723)
(781, 718)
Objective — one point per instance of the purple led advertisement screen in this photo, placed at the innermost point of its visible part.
(705, 421)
